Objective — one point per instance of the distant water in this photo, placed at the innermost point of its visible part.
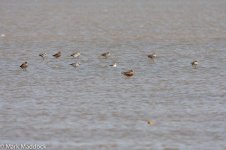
(94, 106)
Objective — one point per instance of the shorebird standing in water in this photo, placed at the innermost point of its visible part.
(77, 64)
(76, 54)
(194, 63)
(43, 55)
(57, 55)
(113, 65)
(128, 73)
(151, 122)
(152, 56)
(24, 65)
(106, 55)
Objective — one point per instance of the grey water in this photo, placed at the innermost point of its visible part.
(94, 106)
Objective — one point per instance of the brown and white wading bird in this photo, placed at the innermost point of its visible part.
(76, 54)
(105, 55)
(57, 55)
(113, 65)
(24, 65)
(194, 63)
(152, 56)
(43, 55)
(128, 73)
(77, 64)
(151, 122)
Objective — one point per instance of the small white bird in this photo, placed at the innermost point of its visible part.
(77, 64)
(43, 55)
(113, 65)
(76, 54)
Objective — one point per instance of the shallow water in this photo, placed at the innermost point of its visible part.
(94, 106)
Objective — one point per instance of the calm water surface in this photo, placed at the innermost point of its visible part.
(94, 106)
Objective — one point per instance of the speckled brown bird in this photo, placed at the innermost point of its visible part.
(24, 65)
(128, 73)
(57, 55)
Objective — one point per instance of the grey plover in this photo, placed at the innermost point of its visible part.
(77, 64)
(152, 56)
(43, 55)
(105, 55)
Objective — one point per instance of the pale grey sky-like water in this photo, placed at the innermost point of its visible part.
(94, 106)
